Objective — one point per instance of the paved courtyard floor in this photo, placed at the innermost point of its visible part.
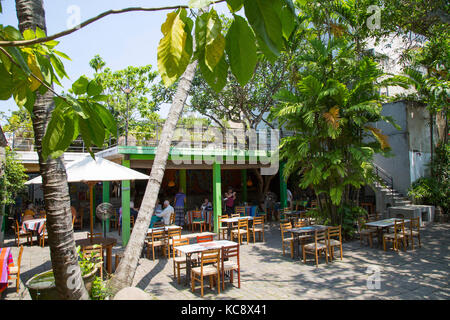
(422, 273)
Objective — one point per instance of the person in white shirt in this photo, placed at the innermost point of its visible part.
(164, 215)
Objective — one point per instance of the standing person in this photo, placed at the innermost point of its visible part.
(230, 196)
(179, 202)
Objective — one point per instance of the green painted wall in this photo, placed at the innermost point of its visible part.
(217, 196)
(125, 207)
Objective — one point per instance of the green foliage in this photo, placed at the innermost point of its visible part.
(13, 178)
(435, 190)
(334, 98)
(271, 21)
(98, 290)
(87, 263)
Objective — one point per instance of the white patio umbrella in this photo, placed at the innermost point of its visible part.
(91, 171)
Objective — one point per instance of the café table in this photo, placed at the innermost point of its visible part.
(166, 228)
(6, 261)
(35, 226)
(189, 249)
(304, 231)
(106, 243)
(230, 221)
(293, 216)
(384, 224)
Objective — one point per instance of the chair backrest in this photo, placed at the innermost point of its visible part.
(287, 209)
(171, 233)
(229, 252)
(335, 232)
(205, 238)
(179, 242)
(209, 257)
(235, 215)
(73, 220)
(313, 203)
(239, 210)
(320, 235)
(93, 252)
(95, 235)
(258, 221)
(399, 227)
(300, 223)
(285, 227)
(372, 217)
(19, 260)
(224, 216)
(17, 228)
(196, 214)
(158, 234)
(131, 221)
(242, 223)
(172, 218)
(414, 223)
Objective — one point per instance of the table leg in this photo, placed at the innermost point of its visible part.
(188, 268)
(296, 246)
(108, 259)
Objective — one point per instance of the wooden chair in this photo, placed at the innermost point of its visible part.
(223, 229)
(258, 227)
(334, 240)
(94, 252)
(396, 237)
(365, 232)
(205, 238)
(131, 222)
(171, 234)
(241, 231)
(285, 228)
(94, 235)
(413, 231)
(283, 217)
(209, 266)
(114, 221)
(300, 223)
(368, 207)
(43, 235)
(21, 233)
(239, 210)
(372, 217)
(14, 272)
(197, 220)
(178, 261)
(229, 265)
(156, 240)
(119, 256)
(172, 218)
(320, 245)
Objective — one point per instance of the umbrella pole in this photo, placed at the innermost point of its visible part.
(91, 204)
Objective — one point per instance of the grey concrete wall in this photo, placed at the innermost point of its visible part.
(397, 166)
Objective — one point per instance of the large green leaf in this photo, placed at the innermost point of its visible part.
(80, 86)
(59, 134)
(241, 50)
(94, 88)
(264, 17)
(235, 5)
(215, 41)
(107, 118)
(6, 83)
(94, 123)
(175, 48)
(216, 79)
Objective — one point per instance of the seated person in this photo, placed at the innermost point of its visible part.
(164, 215)
(206, 206)
(30, 212)
(133, 211)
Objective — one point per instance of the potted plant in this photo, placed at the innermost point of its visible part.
(42, 286)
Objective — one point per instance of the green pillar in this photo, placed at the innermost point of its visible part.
(217, 196)
(125, 207)
(106, 199)
(244, 184)
(283, 188)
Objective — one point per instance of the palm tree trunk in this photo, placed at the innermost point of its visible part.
(124, 275)
(66, 269)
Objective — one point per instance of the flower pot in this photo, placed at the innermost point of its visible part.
(42, 286)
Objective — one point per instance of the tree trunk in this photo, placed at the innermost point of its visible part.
(66, 269)
(126, 270)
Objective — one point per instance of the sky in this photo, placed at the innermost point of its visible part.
(121, 40)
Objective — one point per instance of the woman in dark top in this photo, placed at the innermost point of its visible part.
(230, 196)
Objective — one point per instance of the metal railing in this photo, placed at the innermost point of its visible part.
(263, 139)
(385, 177)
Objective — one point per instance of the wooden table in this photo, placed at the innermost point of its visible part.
(383, 224)
(230, 221)
(293, 216)
(297, 232)
(189, 249)
(166, 228)
(106, 243)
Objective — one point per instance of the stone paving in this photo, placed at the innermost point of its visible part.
(422, 273)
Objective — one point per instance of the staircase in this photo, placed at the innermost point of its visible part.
(387, 196)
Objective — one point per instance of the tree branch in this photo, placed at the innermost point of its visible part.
(87, 22)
